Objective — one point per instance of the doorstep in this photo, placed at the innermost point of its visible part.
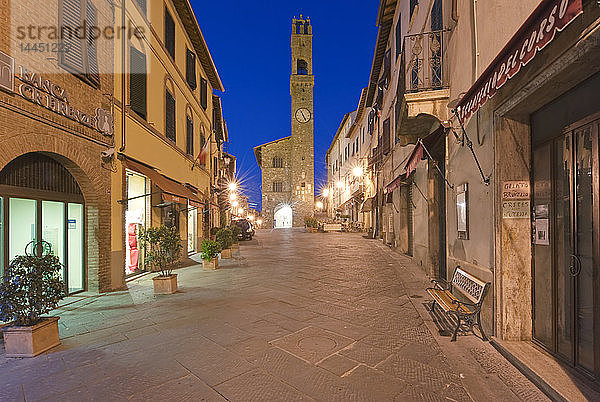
(557, 380)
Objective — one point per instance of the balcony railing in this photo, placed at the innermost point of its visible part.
(424, 56)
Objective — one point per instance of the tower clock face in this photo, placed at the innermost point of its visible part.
(303, 115)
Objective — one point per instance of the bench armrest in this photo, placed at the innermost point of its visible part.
(461, 304)
(440, 284)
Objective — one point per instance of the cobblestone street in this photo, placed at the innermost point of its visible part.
(297, 316)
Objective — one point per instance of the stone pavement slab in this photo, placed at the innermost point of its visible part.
(297, 316)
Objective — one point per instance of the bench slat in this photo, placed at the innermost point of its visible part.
(444, 298)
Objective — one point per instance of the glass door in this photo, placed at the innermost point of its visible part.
(565, 246)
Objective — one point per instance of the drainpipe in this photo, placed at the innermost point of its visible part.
(123, 92)
(474, 39)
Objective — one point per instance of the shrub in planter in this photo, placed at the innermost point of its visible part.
(312, 224)
(225, 241)
(209, 252)
(162, 249)
(236, 231)
(31, 287)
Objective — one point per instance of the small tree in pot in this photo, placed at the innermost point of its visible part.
(236, 232)
(163, 250)
(31, 287)
(312, 224)
(225, 240)
(209, 253)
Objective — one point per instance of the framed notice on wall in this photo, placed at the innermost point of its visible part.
(462, 211)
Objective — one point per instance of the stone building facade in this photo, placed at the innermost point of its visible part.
(288, 164)
(55, 123)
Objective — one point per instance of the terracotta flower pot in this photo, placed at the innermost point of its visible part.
(165, 285)
(31, 341)
(235, 248)
(210, 265)
(226, 253)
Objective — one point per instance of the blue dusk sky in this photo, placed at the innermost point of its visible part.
(250, 44)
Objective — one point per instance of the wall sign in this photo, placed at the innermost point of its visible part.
(515, 190)
(516, 209)
(50, 96)
(462, 211)
(550, 17)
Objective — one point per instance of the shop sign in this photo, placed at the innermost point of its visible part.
(516, 209)
(515, 190)
(536, 33)
(51, 96)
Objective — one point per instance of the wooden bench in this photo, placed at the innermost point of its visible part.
(332, 227)
(469, 286)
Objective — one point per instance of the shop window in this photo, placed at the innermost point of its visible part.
(190, 68)
(302, 67)
(82, 57)
(169, 34)
(170, 116)
(138, 85)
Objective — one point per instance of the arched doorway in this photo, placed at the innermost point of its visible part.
(283, 217)
(41, 200)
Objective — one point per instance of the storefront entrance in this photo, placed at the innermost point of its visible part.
(40, 200)
(566, 245)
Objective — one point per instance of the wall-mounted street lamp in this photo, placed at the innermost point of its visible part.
(319, 205)
(339, 184)
(357, 171)
(233, 196)
(232, 186)
(325, 192)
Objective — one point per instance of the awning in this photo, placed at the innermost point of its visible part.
(424, 147)
(367, 205)
(397, 182)
(550, 17)
(172, 190)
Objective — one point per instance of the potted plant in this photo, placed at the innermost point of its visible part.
(30, 288)
(312, 224)
(163, 250)
(236, 231)
(209, 254)
(225, 241)
(213, 233)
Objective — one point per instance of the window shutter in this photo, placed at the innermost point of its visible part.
(138, 86)
(92, 52)
(170, 116)
(72, 57)
(386, 137)
(190, 68)
(399, 35)
(169, 34)
(190, 136)
(203, 93)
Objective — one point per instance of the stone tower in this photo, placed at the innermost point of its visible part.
(302, 158)
(288, 164)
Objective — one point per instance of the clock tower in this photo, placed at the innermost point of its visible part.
(302, 82)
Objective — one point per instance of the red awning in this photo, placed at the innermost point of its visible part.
(397, 182)
(424, 147)
(172, 190)
(536, 33)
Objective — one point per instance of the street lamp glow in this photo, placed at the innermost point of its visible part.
(241, 211)
(357, 171)
(339, 184)
(233, 196)
(319, 205)
(235, 204)
(259, 222)
(232, 186)
(250, 217)
(325, 192)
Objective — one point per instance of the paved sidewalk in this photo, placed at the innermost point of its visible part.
(300, 316)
